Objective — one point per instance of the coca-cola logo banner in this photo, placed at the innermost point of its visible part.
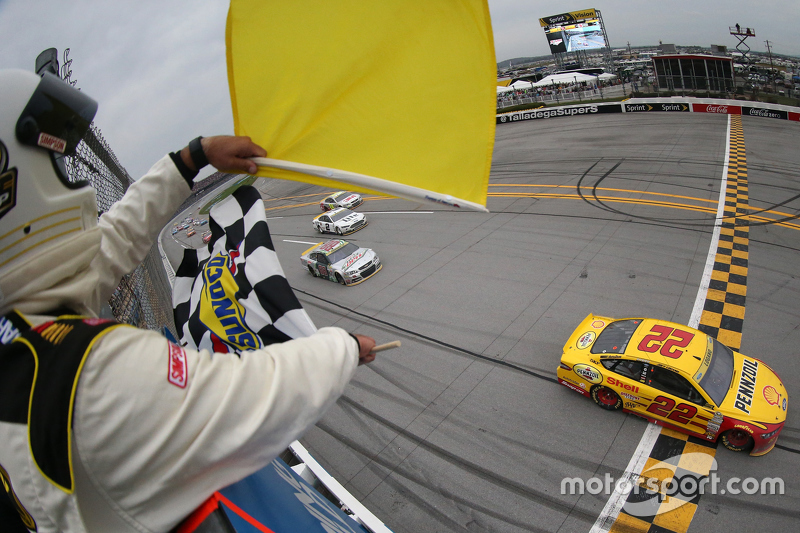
(723, 109)
(764, 113)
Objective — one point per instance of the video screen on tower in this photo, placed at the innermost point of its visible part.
(573, 36)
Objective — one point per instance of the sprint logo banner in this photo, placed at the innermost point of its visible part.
(232, 295)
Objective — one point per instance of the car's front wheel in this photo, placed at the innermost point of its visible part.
(338, 230)
(606, 398)
(737, 440)
(340, 279)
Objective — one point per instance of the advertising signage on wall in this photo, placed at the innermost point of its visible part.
(656, 106)
(538, 114)
(568, 18)
(764, 113)
(723, 109)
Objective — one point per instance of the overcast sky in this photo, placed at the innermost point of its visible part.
(157, 68)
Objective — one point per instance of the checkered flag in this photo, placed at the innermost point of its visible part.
(232, 295)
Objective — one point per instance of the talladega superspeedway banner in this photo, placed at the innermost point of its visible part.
(639, 105)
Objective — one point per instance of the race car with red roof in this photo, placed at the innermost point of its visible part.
(349, 200)
(341, 261)
(677, 377)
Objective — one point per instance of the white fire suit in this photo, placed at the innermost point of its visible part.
(148, 448)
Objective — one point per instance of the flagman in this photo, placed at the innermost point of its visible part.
(105, 427)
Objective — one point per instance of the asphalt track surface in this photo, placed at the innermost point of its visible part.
(464, 427)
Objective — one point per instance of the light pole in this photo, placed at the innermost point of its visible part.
(577, 88)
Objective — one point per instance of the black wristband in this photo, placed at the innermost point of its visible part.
(196, 152)
(187, 173)
(357, 343)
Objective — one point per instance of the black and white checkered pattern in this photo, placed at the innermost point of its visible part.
(239, 230)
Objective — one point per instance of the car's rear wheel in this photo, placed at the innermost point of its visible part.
(606, 398)
(340, 279)
(312, 271)
(737, 440)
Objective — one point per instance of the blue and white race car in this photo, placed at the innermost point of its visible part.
(340, 221)
(341, 261)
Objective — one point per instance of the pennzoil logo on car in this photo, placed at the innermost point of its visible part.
(585, 340)
(747, 385)
(8, 183)
(587, 372)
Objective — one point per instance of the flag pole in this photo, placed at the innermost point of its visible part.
(399, 190)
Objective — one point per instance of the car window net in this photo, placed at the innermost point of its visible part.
(614, 339)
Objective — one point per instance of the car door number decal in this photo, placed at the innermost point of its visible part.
(666, 408)
(666, 341)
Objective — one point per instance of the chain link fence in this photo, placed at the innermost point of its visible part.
(144, 297)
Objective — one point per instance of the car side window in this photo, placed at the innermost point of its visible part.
(629, 369)
(325, 219)
(328, 200)
(675, 384)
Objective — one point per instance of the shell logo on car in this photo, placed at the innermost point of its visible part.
(677, 377)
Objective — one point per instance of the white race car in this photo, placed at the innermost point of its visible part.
(341, 261)
(341, 199)
(340, 221)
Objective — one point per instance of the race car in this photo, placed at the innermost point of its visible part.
(340, 221)
(190, 233)
(677, 377)
(207, 236)
(341, 261)
(346, 199)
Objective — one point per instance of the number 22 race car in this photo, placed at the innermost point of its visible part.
(677, 377)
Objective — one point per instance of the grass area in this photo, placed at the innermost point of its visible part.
(247, 180)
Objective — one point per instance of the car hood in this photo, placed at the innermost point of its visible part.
(357, 259)
(349, 219)
(756, 393)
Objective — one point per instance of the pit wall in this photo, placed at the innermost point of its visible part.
(659, 105)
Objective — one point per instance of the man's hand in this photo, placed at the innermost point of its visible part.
(227, 153)
(365, 346)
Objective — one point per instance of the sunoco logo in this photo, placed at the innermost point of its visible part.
(220, 311)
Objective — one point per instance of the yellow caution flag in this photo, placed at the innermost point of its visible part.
(396, 96)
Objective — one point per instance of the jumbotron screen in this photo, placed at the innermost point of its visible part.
(573, 36)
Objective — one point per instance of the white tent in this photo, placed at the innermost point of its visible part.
(521, 84)
(571, 77)
(503, 89)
